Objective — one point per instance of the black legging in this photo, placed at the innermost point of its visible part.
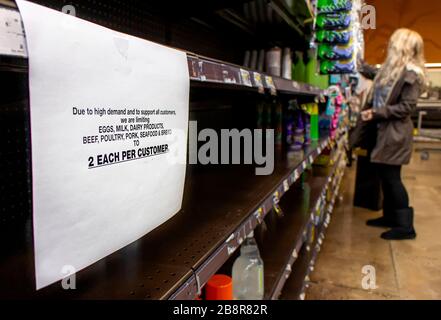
(394, 192)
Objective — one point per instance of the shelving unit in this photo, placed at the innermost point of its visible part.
(207, 70)
(297, 283)
(203, 69)
(222, 204)
(290, 238)
(287, 176)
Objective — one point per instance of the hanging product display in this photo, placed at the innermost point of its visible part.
(333, 21)
(333, 36)
(338, 35)
(329, 6)
(328, 67)
(331, 52)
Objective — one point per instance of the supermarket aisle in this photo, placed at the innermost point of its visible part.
(404, 269)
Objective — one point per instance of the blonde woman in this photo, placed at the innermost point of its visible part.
(394, 95)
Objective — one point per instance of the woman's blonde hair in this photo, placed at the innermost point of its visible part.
(405, 50)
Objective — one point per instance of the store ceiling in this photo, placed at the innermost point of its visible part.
(422, 16)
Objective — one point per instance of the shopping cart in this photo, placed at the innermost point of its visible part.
(427, 135)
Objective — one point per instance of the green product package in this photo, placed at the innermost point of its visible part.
(299, 68)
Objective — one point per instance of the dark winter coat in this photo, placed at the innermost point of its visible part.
(388, 137)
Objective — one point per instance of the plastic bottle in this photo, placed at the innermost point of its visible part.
(273, 61)
(324, 81)
(299, 69)
(286, 63)
(314, 113)
(248, 272)
(311, 76)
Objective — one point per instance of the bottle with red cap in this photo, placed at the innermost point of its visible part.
(219, 287)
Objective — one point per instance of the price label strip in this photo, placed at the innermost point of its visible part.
(276, 206)
(228, 74)
(258, 82)
(246, 78)
(270, 85)
(258, 215)
(285, 185)
(295, 175)
(295, 85)
(202, 76)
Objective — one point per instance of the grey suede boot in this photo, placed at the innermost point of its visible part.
(404, 229)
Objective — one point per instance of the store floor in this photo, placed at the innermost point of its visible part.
(404, 269)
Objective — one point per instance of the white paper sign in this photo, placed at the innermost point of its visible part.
(109, 118)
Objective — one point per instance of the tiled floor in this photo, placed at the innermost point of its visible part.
(403, 269)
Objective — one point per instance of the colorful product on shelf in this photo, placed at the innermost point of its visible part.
(330, 107)
(248, 272)
(329, 67)
(299, 68)
(329, 6)
(330, 52)
(311, 75)
(219, 287)
(313, 112)
(333, 36)
(278, 125)
(307, 122)
(324, 159)
(324, 81)
(299, 131)
(333, 21)
(311, 69)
